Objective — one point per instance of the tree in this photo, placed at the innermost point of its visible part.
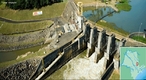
(29, 4)
(0, 2)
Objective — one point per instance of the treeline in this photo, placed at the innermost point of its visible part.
(29, 4)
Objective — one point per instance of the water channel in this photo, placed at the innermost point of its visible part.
(12, 55)
(131, 21)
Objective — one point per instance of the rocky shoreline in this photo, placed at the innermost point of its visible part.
(20, 71)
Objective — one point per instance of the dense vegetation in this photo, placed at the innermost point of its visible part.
(124, 5)
(29, 4)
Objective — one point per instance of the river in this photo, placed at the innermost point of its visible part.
(12, 55)
(131, 21)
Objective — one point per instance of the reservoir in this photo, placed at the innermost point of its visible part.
(131, 21)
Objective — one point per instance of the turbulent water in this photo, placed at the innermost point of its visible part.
(81, 67)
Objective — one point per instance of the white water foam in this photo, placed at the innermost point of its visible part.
(84, 68)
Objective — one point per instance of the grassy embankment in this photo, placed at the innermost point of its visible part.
(49, 11)
(139, 38)
(112, 28)
(11, 28)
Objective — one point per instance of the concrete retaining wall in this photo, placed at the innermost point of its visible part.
(137, 34)
(70, 51)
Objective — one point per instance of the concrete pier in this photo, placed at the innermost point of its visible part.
(116, 58)
(110, 50)
(100, 45)
(92, 42)
(86, 32)
(110, 46)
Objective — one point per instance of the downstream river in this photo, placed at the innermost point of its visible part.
(12, 55)
(131, 21)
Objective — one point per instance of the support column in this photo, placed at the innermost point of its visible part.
(92, 42)
(110, 46)
(100, 44)
(86, 32)
(121, 44)
(108, 54)
(117, 55)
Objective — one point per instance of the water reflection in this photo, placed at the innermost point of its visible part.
(95, 15)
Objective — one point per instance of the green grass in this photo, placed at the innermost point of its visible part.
(10, 28)
(115, 76)
(139, 38)
(49, 11)
(113, 28)
(124, 5)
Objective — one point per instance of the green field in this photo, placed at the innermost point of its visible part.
(50, 11)
(139, 38)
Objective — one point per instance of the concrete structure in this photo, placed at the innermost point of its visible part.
(110, 46)
(116, 58)
(80, 8)
(100, 45)
(142, 34)
(92, 42)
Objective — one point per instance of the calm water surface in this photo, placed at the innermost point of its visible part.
(131, 21)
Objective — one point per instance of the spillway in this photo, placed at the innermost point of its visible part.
(81, 67)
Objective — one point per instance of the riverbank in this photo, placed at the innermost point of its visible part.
(97, 3)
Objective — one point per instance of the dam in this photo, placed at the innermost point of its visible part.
(101, 50)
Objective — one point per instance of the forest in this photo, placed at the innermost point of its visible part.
(28, 4)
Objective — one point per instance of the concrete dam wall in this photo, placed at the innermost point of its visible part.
(94, 41)
(70, 50)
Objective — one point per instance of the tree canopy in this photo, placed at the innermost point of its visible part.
(29, 4)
